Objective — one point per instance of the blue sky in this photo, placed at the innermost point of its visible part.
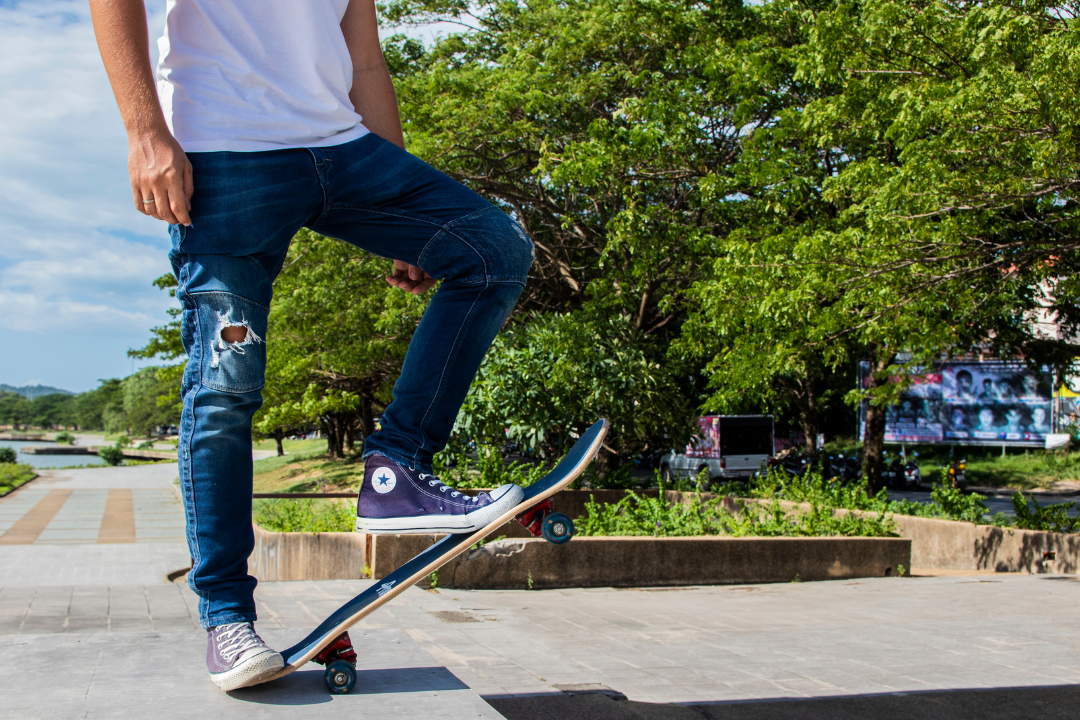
(76, 259)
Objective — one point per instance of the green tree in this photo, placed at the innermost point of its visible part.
(14, 409)
(101, 408)
(555, 375)
(142, 392)
(915, 197)
(166, 344)
(53, 410)
(609, 131)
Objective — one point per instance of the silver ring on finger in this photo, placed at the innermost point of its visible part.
(151, 201)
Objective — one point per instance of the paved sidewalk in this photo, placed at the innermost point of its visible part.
(97, 621)
(133, 675)
(668, 648)
(735, 643)
(90, 627)
(95, 505)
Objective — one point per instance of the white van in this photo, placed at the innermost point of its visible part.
(729, 446)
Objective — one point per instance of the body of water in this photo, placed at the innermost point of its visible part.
(43, 461)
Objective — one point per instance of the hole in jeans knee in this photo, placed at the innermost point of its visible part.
(234, 334)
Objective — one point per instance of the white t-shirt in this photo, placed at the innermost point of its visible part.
(249, 75)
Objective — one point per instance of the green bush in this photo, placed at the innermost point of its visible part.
(65, 438)
(112, 454)
(491, 470)
(12, 475)
(147, 445)
(636, 515)
(8, 455)
(948, 503)
(1051, 518)
(304, 515)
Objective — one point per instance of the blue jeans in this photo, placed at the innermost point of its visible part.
(245, 210)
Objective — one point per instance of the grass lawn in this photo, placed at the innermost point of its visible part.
(1020, 468)
(293, 447)
(12, 475)
(307, 469)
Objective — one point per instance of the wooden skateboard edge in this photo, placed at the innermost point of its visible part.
(443, 559)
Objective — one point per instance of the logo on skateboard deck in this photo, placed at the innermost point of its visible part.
(385, 588)
(384, 480)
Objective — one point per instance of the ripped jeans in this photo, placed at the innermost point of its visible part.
(245, 210)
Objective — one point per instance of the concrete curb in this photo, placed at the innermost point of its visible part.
(939, 544)
(953, 545)
(310, 556)
(519, 564)
(513, 563)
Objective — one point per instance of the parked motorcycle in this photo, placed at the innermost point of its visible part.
(958, 474)
(912, 473)
(846, 469)
(795, 465)
(892, 471)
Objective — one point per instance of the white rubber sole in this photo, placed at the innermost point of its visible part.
(251, 672)
(453, 524)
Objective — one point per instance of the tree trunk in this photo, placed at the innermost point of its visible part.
(332, 428)
(279, 435)
(347, 428)
(367, 422)
(874, 440)
(606, 462)
(810, 431)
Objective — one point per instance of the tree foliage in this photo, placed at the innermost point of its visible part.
(546, 380)
(915, 197)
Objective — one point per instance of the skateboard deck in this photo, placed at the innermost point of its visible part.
(329, 644)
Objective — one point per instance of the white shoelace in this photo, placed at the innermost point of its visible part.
(443, 487)
(237, 638)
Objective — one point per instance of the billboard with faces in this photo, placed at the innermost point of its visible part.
(973, 403)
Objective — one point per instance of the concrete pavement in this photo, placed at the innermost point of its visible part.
(160, 675)
(91, 628)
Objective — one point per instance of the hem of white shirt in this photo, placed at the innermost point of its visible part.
(197, 146)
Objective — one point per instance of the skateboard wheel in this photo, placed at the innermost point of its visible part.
(340, 677)
(557, 528)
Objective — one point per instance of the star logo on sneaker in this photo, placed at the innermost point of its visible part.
(383, 480)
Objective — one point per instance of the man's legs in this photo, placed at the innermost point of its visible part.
(246, 208)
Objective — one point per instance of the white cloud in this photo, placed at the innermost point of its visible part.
(75, 256)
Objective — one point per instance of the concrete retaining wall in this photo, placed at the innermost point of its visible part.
(308, 556)
(645, 561)
(585, 562)
(142, 454)
(951, 545)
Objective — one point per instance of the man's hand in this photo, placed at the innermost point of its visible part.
(410, 278)
(161, 183)
(161, 179)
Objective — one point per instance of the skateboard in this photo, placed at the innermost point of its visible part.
(329, 644)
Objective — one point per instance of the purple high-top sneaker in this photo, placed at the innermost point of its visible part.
(394, 499)
(236, 656)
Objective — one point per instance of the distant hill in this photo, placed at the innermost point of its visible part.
(33, 391)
